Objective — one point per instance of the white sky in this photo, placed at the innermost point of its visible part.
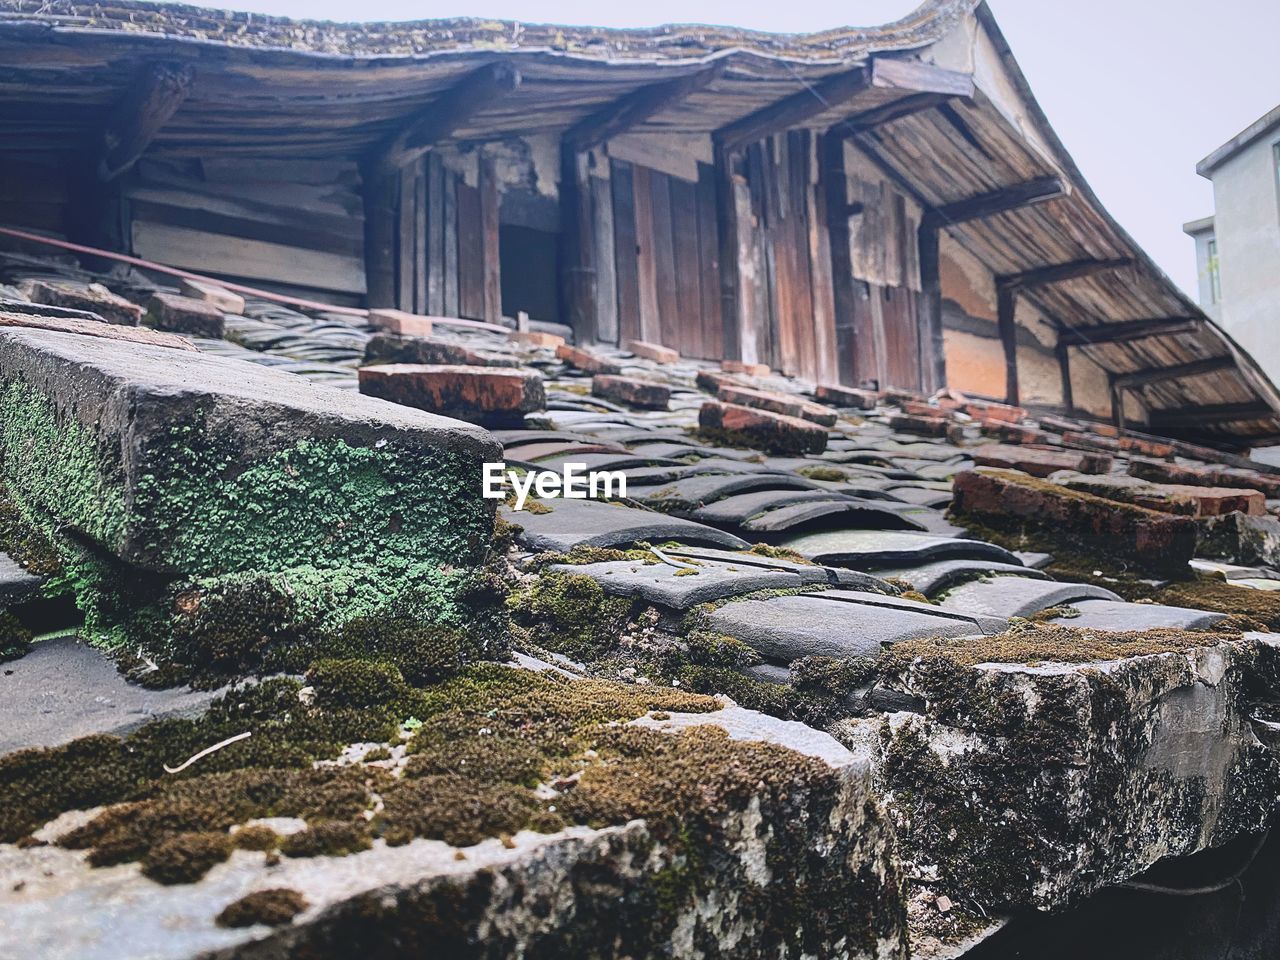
(1138, 90)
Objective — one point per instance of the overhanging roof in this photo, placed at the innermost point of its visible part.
(268, 86)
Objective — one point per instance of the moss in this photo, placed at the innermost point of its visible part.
(780, 553)
(255, 837)
(571, 614)
(15, 639)
(328, 838)
(356, 683)
(827, 474)
(186, 857)
(273, 907)
(1033, 643)
(581, 555)
(97, 770)
(1262, 607)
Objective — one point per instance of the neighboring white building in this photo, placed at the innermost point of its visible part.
(1238, 248)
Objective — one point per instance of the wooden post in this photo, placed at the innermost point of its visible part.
(1006, 307)
(1117, 405)
(577, 259)
(727, 234)
(832, 176)
(1063, 351)
(380, 192)
(933, 357)
(489, 235)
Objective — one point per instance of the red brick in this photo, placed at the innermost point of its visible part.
(1038, 461)
(921, 408)
(637, 393)
(96, 328)
(228, 301)
(531, 338)
(1207, 476)
(1014, 432)
(713, 380)
(778, 403)
(1146, 447)
(934, 426)
(846, 396)
(195, 318)
(750, 369)
(489, 395)
(1090, 441)
(433, 351)
(1171, 497)
(652, 351)
(990, 410)
(760, 429)
(400, 322)
(586, 360)
(1013, 502)
(93, 297)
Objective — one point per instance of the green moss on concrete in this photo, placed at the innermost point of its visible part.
(15, 639)
(571, 614)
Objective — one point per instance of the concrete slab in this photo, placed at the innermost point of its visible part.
(873, 549)
(787, 628)
(572, 523)
(1112, 615)
(64, 689)
(932, 578)
(1019, 596)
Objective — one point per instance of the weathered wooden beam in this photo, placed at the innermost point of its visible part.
(1006, 323)
(1064, 371)
(439, 119)
(1057, 272)
(137, 118)
(795, 110)
(1117, 404)
(577, 261)
(490, 209)
(878, 116)
(933, 366)
(1125, 331)
(636, 108)
(1182, 418)
(997, 201)
(1177, 371)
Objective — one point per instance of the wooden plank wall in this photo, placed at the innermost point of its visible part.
(446, 260)
(666, 275)
(33, 195)
(786, 308)
(298, 223)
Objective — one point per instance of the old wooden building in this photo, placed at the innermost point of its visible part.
(882, 206)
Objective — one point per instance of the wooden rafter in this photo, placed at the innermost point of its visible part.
(1125, 331)
(1179, 371)
(795, 110)
(997, 201)
(1057, 272)
(439, 119)
(136, 120)
(1212, 413)
(635, 108)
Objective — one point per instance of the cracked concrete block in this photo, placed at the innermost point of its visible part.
(1035, 786)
